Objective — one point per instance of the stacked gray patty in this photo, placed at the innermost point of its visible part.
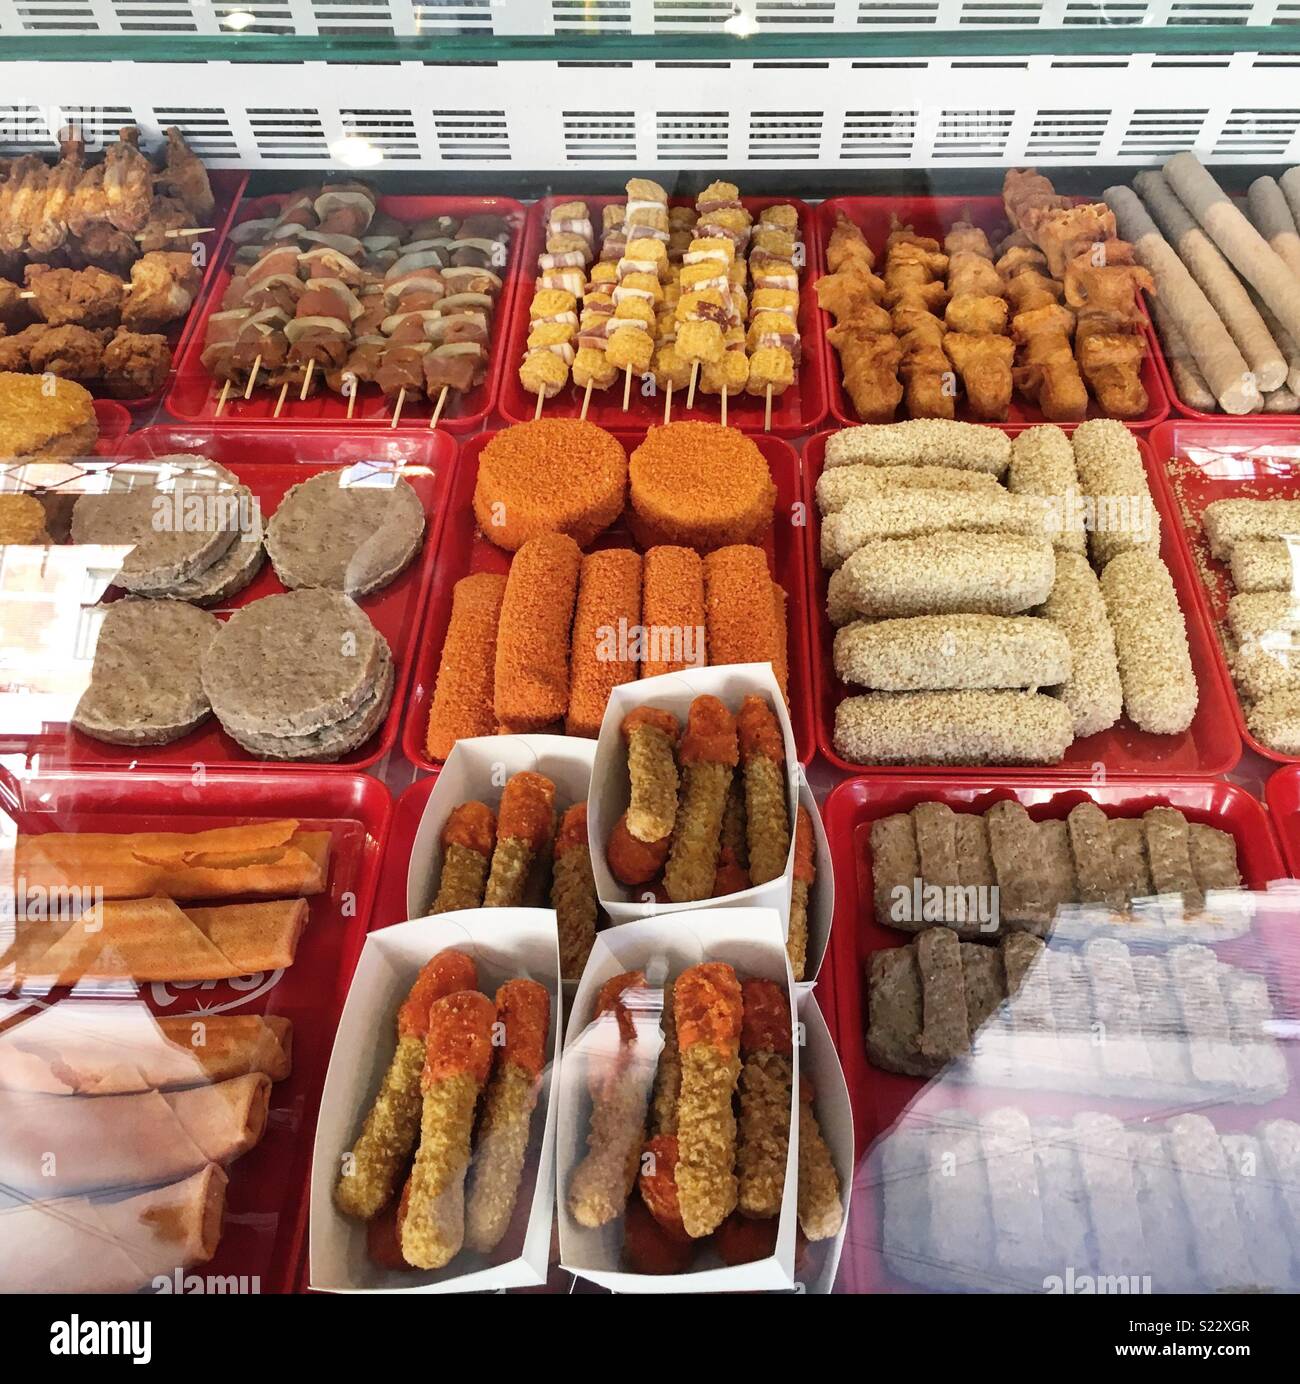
(301, 676)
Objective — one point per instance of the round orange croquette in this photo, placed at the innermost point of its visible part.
(554, 475)
(699, 485)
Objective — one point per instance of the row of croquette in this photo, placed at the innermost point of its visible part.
(542, 647)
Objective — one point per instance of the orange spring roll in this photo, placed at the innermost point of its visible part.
(532, 655)
(672, 610)
(743, 628)
(608, 613)
(462, 699)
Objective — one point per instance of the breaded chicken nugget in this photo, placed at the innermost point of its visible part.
(467, 839)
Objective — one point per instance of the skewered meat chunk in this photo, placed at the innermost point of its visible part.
(135, 364)
(15, 313)
(72, 353)
(76, 297)
(185, 178)
(163, 285)
(128, 183)
(16, 350)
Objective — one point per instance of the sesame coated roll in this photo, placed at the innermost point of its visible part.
(743, 628)
(462, 699)
(523, 1018)
(1155, 665)
(921, 442)
(525, 824)
(531, 686)
(573, 892)
(370, 1172)
(766, 1087)
(672, 610)
(767, 815)
(1075, 606)
(618, 1080)
(467, 839)
(607, 615)
(708, 754)
(1275, 721)
(953, 728)
(1265, 564)
(1114, 480)
(929, 652)
(457, 1061)
(805, 874)
(709, 1012)
(840, 484)
(820, 1208)
(651, 736)
(941, 574)
(668, 1073)
(1229, 522)
(1042, 463)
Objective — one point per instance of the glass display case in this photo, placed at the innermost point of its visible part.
(649, 647)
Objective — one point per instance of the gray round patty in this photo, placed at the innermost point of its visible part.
(334, 741)
(176, 527)
(145, 685)
(293, 664)
(353, 538)
(227, 576)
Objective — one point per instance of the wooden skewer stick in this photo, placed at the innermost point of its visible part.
(690, 393)
(180, 231)
(668, 402)
(252, 376)
(541, 399)
(627, 387)
(437, 408)
(221, 403)
(352, 400)
(586, 400)
(279, 403)
(724, 405)
(767, 411)
(306, 380)
(397, 410)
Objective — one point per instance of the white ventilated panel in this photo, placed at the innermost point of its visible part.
(850, 114)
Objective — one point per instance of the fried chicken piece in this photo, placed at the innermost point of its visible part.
(1018, 258)
(930, 386)
(969, 273)
(163, 285)
(128, 183)
(88, 205)
(929, 295)
(104, 247)
(185, 178)
(1063, 234)
(135, 364)
(851, 289)
(1111, 364)
(983, 360)
(1046, 370)
(15, 311)
(869, 361)
(49, 226)
(73, 353)
(1026, 192)
(1111, 287)
(963, 238)
(166, 214)
(80, 297)
(976, 312)
(22, 196)
(848, 248)
(1030, 290)
(16, 350)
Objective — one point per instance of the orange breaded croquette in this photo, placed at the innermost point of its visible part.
(531, 685)
(708, 753)
(672, 610)
(573, 892)
(805, 873)
(444, 975)
(767, 811)
(630, 861)
(699, 485)
(741, 627)
(467, 839)
(766, 1025)
(608, 612)
(462, 699)
(710, 736)
(553, 475)
(525, 823)
(650, 735)
(658, 1184)
(781, 655)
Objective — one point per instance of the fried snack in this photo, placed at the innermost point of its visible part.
(634, 862)
(729, 877)
(709, 1011)
(378, 1158)
(609, 599)
(735, 834)
(22, 520)
(766, 1088)
(467, 839)
(458, 1058)
(1229, 522)
(921, 442)
(708, 753)
(742, 627)
(668, 1073)
(820, 1210)
(701, 486)
(1265, 564)
(767, 817)
(42, 418)
(1042, 463)
(840, 484)
(1275, 721)
(658, 1184)
(1112, 476)
(603, 1181)
(740, 1240)
(552, 475)
(651, 735)
(805, 874)
(524, 1016)
(462, 700)
(525, 823)
(672, 610)
(384, 1233)
(648, 1248)
(1092, 693)
(573, 892)
(531, 688)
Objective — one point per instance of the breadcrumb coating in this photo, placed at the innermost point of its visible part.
(921, 442)
(39, 420)
(652, 771)
(767, 815)
(444, 975)
(805, 874)
(1155, 664)
(531, 686)
(734, 837)
(706, 1136)
(658, 1184)
(1042, 463)
(370, 1174)
(1075, 606)
(701, 486)
(668, 1074)
(573, 895)
(1229, 522)
(552, 475)
(22, 520)
(434, 1229)
(693, 853)
(953, 728)
(462, 700)
(464, 875)
(672, 603)
(609, 598)
(602, 1182)
(1110, 470)
(499, 1156)
(781, 652)
(708, 1006)
(741, 627)
(634, 862)
(525, 825)
(820, 1209)
(763, 1136)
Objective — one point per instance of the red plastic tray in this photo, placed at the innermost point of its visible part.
(1210, 746)
(933, 216)
(390, 900)
(269, 465)
(114, 421)
(799, 410)
(879, 1098)
(1282, 793)
(1179, 409)
(463, 550)
(264, 1231)
(1261, 463)
(194, 394)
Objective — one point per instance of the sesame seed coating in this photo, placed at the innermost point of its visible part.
(1112, 476)
(922, 442)
(1075, 605)
(840, 484)
(1227, 522)
(1275, 721)
(1042, 463)
(1265, 564)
